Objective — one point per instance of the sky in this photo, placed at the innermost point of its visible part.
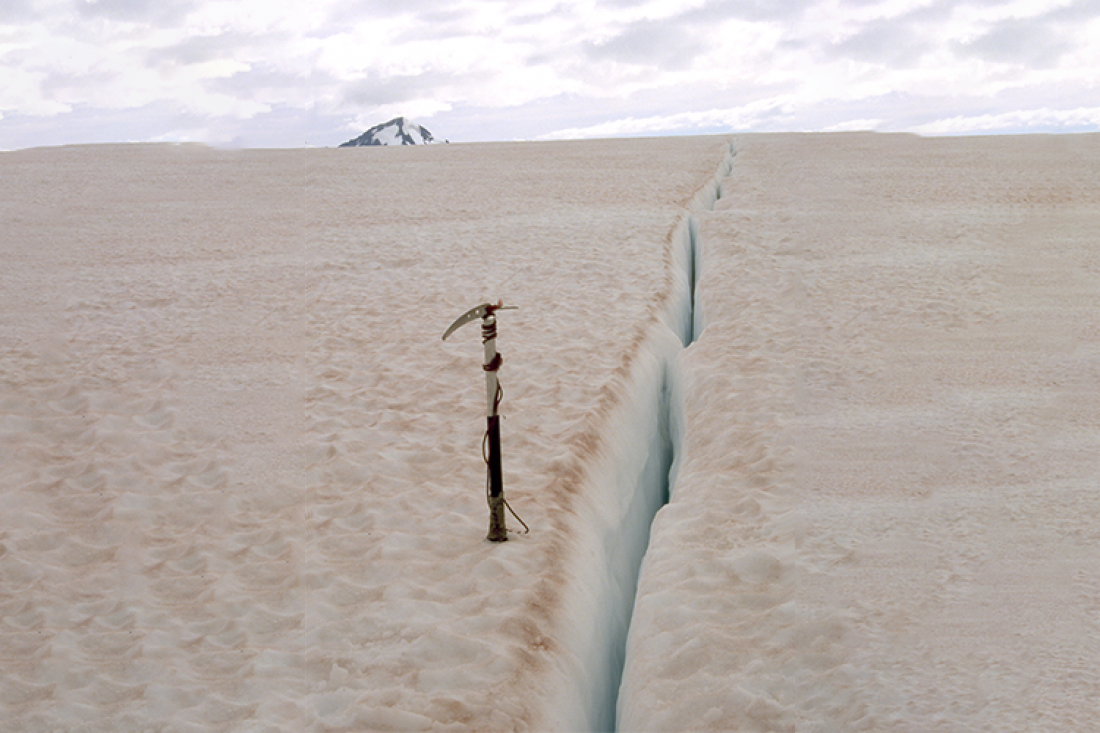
(288, 73)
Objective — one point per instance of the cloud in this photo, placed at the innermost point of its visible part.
(377, 91)
(68, 85)
(650, 43)
(1076, 12)
(1080, 118)
(199, 49)
(892, 43)
(1032, 42)
(158, 12)
(763, 114)
(786, 11)
(268, 84)
(855, 125)
(343, 13)
(13, 11)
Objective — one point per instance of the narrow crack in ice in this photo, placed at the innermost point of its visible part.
(654, 485)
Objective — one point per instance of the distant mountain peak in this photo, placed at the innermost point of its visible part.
(398, 131)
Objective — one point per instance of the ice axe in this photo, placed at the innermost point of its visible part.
(493, 393)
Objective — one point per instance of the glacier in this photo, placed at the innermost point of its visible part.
(803, 426)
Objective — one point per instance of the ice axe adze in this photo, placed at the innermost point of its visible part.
(497, 531)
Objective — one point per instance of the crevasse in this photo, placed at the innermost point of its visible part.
(631, 482)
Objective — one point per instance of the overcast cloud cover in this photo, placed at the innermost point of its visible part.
(287, 73)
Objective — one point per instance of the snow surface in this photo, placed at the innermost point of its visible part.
(241, 485)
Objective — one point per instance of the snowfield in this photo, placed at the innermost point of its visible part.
(241, 485)
(886, 514)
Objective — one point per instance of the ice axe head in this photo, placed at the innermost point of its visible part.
(482, 311)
